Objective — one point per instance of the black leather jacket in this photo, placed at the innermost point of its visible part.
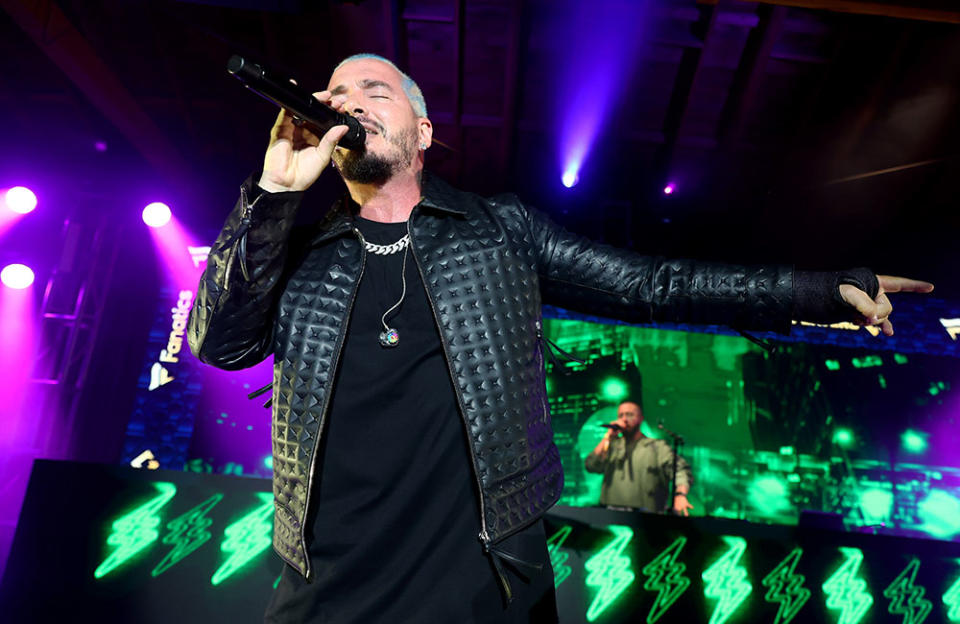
(487, 265)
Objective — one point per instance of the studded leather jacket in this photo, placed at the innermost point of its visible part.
(487, 265)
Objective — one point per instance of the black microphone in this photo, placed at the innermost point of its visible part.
(614, 427)
(306, 109)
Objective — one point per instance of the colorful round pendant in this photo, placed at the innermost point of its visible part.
(389, 338)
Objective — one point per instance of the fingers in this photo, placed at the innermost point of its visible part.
(329, 140)
(884, 307)
(861, 301)
(887, 327)
(891, 283)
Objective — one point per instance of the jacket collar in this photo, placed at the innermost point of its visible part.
(437, 195)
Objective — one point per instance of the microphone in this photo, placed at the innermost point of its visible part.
(306, 110)
(614, 427)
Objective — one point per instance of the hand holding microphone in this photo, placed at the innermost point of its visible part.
(306, 132)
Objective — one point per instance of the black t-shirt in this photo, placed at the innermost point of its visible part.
(396, 522)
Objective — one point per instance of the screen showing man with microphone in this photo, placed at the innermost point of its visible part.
(638, 471)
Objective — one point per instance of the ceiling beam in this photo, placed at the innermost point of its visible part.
(511, 88)
(749, 74)
(690, 77)
(928, 10)
(63, 44)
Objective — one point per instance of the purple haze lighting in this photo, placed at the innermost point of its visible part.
(20, 199)
(174, 243)
(156, 214)
(600, 42)
(669, 189)
(16, 276)
(100, 146)
(17, 336)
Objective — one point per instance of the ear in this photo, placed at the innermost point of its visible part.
(424, 131)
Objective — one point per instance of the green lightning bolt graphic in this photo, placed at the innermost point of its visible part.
(134, 531)
(665, 576)
(847, 592)
(727, 581)
(557, 558)
(907, 599)
(951, 598)
(187, 533)
(786, 587)
(609, 572)
(246, 538)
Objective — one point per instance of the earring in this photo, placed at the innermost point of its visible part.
(423, 147)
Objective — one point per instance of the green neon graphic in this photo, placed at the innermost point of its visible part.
(847, 592)
(666, 577)
(951, 598)
(784, 586)
(135, 530)
(609, 571)
(187, 533)
(727, 581)
(246, 538)
(906, 598)
(557, 558)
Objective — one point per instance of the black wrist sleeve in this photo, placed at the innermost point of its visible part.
(816, 294)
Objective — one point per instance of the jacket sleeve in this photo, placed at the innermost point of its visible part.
(592, 278)
(594, 462)
(232, 320)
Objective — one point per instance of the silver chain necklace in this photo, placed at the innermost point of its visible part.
(386, 250)
(390, 337)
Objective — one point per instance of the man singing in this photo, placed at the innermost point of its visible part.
(637, 470)
(412, 450)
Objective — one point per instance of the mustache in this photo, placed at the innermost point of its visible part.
(363, 119)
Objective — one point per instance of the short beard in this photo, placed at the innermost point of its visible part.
(366, 168)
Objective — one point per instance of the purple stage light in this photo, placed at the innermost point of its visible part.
(156, 214)
(100, 146)
(669, 189)
(600, 42)
(20, 199)
(16, 276)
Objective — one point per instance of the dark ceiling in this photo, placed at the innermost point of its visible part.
(761, 113)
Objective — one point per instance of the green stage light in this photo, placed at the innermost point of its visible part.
(940, 513)
(914, 441)
(843, 437)
(614, 389)
(769, 494)
(832, 364)
(876, 504)
(867, 361)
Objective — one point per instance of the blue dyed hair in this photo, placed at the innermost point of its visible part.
(410, 88)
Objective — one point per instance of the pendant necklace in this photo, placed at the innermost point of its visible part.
(390, 337)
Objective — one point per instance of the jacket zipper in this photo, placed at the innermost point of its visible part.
(484, 534)
(326, 400)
